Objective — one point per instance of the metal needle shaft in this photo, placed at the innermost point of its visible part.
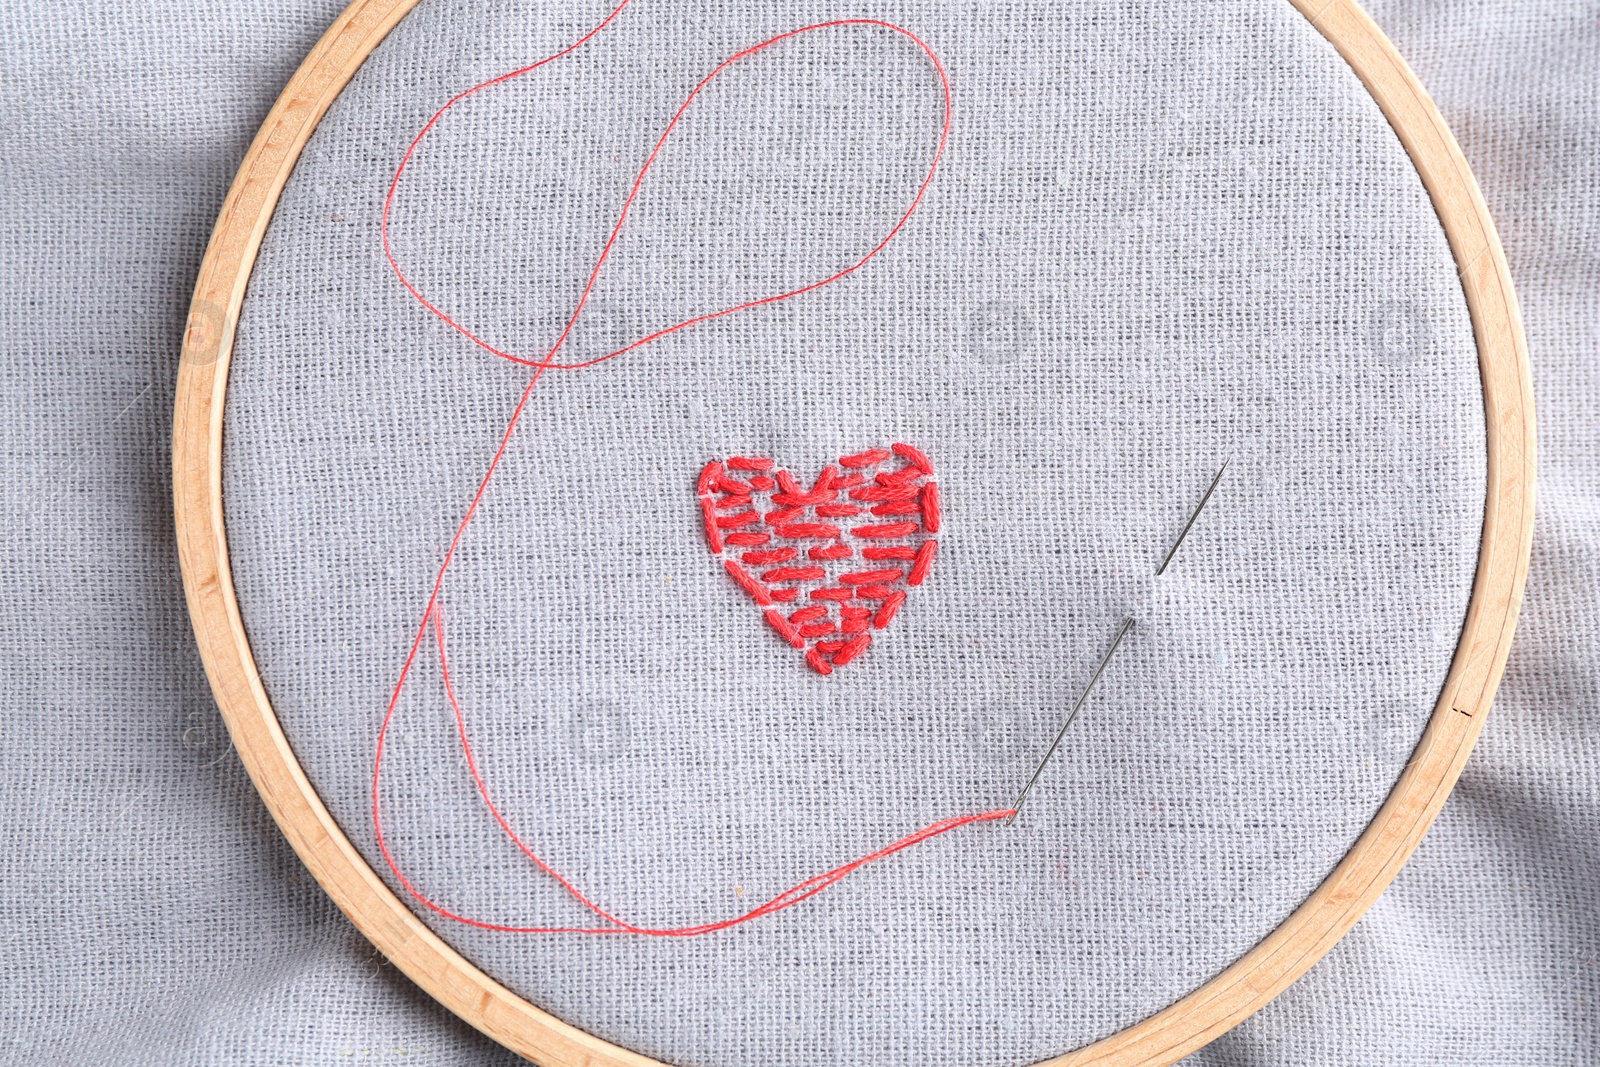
(1126, 626)
(1212, 488)
(1073, 714)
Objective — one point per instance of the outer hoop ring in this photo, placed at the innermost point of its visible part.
(1163, 1038)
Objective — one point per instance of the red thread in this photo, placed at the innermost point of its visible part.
(781, 624)
(831, 552)
(865, 459)
(777, 555)
(886, 613)
(793, 574)
(713, 536)
(930, 507)
(728, 503)
(548, 362)
(837, 511)
(852, 648)
(756, 590)
(708, 478)
(885, 492)
(891, 529)
(832, 594)
(804, 500)
(874, 592)
(894, 507)
(912, 456)
(904, 474)
(808, 530)
(871, 577)
(817, 629)
(789, 897)
(888, 552)
(712, 477)
(744, 518)
(925, 554)
(748, 463)
(816, 611)
(785, 595)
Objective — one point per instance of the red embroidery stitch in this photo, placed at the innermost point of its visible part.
(904, 489)
(780, 624)
(865, 459)
(913, 457)
(930, 507)
(886, 530)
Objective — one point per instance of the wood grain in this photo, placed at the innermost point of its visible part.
(1161, 1039)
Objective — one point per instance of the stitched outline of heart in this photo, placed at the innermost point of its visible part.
(898, 511)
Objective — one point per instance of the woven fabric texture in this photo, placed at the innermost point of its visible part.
(153, 914)
(1161, 237)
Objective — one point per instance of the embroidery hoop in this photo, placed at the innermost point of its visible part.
(1164, 1037)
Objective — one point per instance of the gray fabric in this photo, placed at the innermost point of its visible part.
(1486, 949)
(152, 914)
(1195, 258)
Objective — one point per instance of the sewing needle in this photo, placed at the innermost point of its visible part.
(1126, 626)
(1212, 488)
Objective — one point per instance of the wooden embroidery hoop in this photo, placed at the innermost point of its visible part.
(1164, 1037)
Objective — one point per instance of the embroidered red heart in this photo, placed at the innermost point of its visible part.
(830, 563)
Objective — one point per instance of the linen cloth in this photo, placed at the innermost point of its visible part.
(204, 945)
(1193, 258)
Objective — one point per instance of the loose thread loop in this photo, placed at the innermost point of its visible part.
(431, 615)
